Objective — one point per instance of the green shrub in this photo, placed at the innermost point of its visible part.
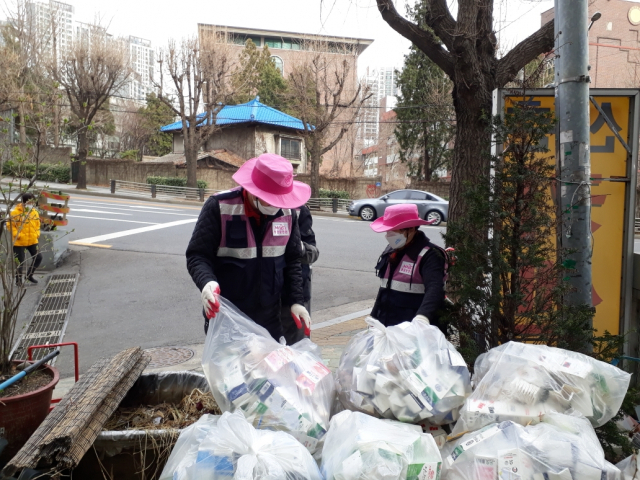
(173, 181)
(58, 173)
(324, 193)
(129, 155)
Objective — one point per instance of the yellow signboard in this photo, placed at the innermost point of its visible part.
(611, 195)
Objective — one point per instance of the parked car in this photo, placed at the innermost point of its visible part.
(430, 206)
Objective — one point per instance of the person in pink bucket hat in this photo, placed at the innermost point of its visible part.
(246, 245)
(412, 270)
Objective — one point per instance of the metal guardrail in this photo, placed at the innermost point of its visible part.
(637, 225)
(335, 205)
(162, 191)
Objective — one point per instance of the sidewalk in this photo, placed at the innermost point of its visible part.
(331, 336)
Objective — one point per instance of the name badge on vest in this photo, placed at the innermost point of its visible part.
(406, 268)
(280, 229)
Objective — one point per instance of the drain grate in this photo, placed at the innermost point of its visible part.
(168, 356)
(49, 321)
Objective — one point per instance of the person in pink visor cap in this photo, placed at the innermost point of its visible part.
(246, 245)
(412, 270)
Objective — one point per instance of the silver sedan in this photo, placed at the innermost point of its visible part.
(430, 206)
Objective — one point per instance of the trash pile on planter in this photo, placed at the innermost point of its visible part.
(530, 417)
(409, 372)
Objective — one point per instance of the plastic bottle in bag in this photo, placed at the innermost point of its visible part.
(359, 446)
(228, 447)
(522, 382)
(561, 447)
(408, 372)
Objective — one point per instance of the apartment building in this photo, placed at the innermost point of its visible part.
(143, 64)
(53, 23)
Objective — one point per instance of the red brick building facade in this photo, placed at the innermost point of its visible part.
(614, 43)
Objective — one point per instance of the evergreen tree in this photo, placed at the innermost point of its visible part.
(425, 125)
(258, 75)
(155, 115)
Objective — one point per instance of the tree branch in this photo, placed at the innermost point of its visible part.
(423, 39)
(540, 42)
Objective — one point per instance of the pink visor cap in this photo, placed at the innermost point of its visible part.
(270, 178)
(397, 217)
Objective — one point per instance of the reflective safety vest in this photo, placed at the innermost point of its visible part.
(400, 296)
(249, 267)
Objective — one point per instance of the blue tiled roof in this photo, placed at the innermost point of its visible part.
(251, 112)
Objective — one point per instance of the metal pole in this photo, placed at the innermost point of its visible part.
(572, 142)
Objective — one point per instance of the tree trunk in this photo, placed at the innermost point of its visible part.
(56, 124)
(473, 137)
(83, 151)
(191, 156)
(22, 127)
(427, 157)
(314, 158)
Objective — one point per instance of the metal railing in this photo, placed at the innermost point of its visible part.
(162, 191)
(637, 225)
(335, 205)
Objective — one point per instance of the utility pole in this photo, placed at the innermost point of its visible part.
(572, 145)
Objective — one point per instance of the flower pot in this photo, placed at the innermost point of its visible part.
(21, 415)
(134, 454)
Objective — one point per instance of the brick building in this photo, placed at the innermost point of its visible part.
(614, 43)
(289, 49)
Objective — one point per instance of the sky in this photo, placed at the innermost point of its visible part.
(160, 20)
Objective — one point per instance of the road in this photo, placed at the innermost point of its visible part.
(134, 288)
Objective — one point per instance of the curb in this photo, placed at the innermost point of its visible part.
(342, 319)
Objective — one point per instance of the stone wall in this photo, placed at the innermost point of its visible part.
(441, 189)
(357, 187)
(216, 179)
(101, 172)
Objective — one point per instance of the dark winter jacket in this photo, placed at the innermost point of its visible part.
(254, 282)
(410, 284)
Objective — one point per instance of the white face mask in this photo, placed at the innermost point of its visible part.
(396, 240)
(266, 210)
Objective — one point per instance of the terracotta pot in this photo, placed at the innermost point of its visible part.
(21, 415)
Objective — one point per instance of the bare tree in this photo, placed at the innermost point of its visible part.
(199, 72)
(465, 48)
(327, 96)
(91, 70)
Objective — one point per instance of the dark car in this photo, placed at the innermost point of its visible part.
(430, 206)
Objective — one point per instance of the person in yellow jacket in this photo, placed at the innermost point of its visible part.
(24, 224)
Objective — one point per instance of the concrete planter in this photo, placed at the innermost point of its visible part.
(54, 246)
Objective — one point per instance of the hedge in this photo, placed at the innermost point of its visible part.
(173, 181)
(324, 193)
(58, 173)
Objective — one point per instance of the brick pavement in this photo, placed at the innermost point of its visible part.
(334, 338)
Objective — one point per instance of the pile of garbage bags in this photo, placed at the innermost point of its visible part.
(629, 468)
(561, 447)
(276, 387)
(228, 447)
(522, 382)
(359, 446)
(408, 372)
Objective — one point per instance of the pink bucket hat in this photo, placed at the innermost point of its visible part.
(399, 216)
(270, 178)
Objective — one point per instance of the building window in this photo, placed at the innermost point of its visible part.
(279, 64)
(290, 148)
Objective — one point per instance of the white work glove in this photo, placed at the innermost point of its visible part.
(422, 318)
(298, 312)
(210, 299)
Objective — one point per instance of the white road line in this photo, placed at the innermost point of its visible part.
(87, 210)
(125, 233)
(100, 204)
(113, 219)
(136, 209)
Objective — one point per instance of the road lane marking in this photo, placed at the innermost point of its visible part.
(128, 202)
(134, 231)
(87, 210)
(134, 209)
(113, 219)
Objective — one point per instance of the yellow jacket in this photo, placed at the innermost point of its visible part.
(24, 226)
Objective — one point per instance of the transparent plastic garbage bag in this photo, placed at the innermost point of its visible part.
(561, 447)
(521, 382)
(408, 372)
(362, 447)
(228, 447)
(277, 387)
(629, 468)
